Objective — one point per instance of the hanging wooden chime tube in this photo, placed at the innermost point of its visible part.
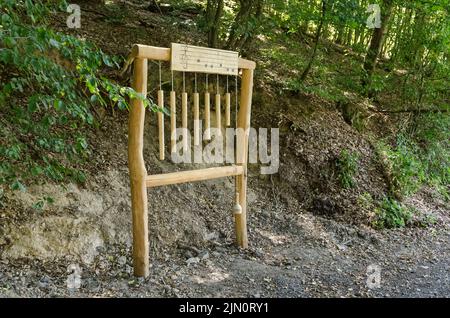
(196, 114)
(161, 117)
(218, 114)
(173, 120)
(184, 116)
(227, 106)
(207, 115)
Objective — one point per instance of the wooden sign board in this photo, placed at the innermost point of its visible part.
(189, 58)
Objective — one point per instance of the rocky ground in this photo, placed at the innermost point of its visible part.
(314, 258)
(308, 236)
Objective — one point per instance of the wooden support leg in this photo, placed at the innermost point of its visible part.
(138, 173)
(241, 157)
(241, 219)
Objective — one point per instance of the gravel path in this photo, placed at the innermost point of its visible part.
(412, 262)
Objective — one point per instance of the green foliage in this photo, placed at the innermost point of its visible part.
(365, 200)
(404, 165)
(420, 47)
(347, 167)
(392, 214)
(420, 156)
(416, 45)
(431, 131)
(52, 82)
(377, 83)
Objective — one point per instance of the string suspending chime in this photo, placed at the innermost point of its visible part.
(190, 60)
(237, 209)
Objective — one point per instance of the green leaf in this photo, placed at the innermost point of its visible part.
(9, 41)
(36, 170)
(55, 43)
(32, 104)
(6, 19)
(58, 104)
(122, 104)
(39, 205)
(107, 61)
(17, 185)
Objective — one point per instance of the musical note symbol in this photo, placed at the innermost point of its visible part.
(184, 57)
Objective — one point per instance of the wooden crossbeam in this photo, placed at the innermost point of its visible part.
(190, 58)
(157, 180)
(163, 54)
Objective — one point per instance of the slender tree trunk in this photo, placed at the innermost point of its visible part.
(316, 42)
(375, 44)
(250, 36)
(340, 35)
(404, 20)
(245, 7)
(391, 31)
(241, 32)
(214, 11)
(325, 31)
(349, 37)
(362, 37)
(357, 36)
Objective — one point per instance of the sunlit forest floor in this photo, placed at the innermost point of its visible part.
(309, 237)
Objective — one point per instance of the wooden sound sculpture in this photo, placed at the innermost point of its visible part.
(187, 59)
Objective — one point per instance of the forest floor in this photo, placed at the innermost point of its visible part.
(308, 237)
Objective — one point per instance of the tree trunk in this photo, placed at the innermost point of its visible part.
(249, 37)
(362, 38)
(316, 42)
(340, 35)
(349, 37)
(241, 33)
(375, 44)
(214, 11)
(325, 31)
(357, 36)
(403, 20)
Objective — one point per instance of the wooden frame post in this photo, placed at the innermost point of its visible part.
(138, 173)
(241, 158)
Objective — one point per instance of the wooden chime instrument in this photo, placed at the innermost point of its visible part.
(190, 60)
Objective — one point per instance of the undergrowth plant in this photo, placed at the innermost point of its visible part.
(347, 167)
(404, 165)
(420, 155)
(392, 214)
(50, 84)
